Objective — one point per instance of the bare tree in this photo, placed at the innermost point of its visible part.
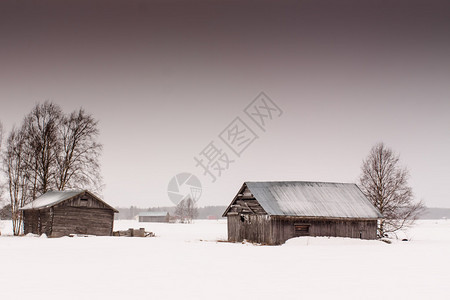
(1, 135)
(50, 151)
(191, 209)
(2, 186)
(78, 154)
(15, 166)
(64, 149)
(385, 184)
(40, 128)
(186, 210)
(180, 210)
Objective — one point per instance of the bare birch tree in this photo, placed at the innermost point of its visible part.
(41, 133)
(15, 166)
(180, 211)
(385, 184)
(50, 151)
(78, 154)
(186, 210)
(2, 184)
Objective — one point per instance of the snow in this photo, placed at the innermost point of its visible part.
(186, 261)
(51, 198)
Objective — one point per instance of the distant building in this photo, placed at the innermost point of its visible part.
(60, 213)
(273, 212)
(154, 216)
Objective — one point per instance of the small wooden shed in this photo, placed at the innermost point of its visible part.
(154, 216)
(273, 212)
(61, 213)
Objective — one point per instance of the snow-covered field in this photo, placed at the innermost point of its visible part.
(187, 262)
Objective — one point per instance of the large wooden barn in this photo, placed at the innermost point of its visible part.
(273, 212)
(60, 213)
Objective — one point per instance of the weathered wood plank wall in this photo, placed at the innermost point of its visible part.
(277, 230)
(254, 228)
(78, 220)
(284, 228)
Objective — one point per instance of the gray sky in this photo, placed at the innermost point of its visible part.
(165, 78)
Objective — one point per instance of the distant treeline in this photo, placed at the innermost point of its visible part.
(432, 213)
(127, 213)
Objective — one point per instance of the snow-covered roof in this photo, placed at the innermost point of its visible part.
(153, 214)
(52, 198)
(312, 199)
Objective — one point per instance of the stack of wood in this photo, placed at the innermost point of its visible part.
(134, 233)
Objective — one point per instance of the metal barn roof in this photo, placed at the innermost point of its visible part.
(52, 198)
(313, 199)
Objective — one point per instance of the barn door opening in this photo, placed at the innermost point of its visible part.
(362, 232)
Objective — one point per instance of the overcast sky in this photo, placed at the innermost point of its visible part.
(165, 78)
